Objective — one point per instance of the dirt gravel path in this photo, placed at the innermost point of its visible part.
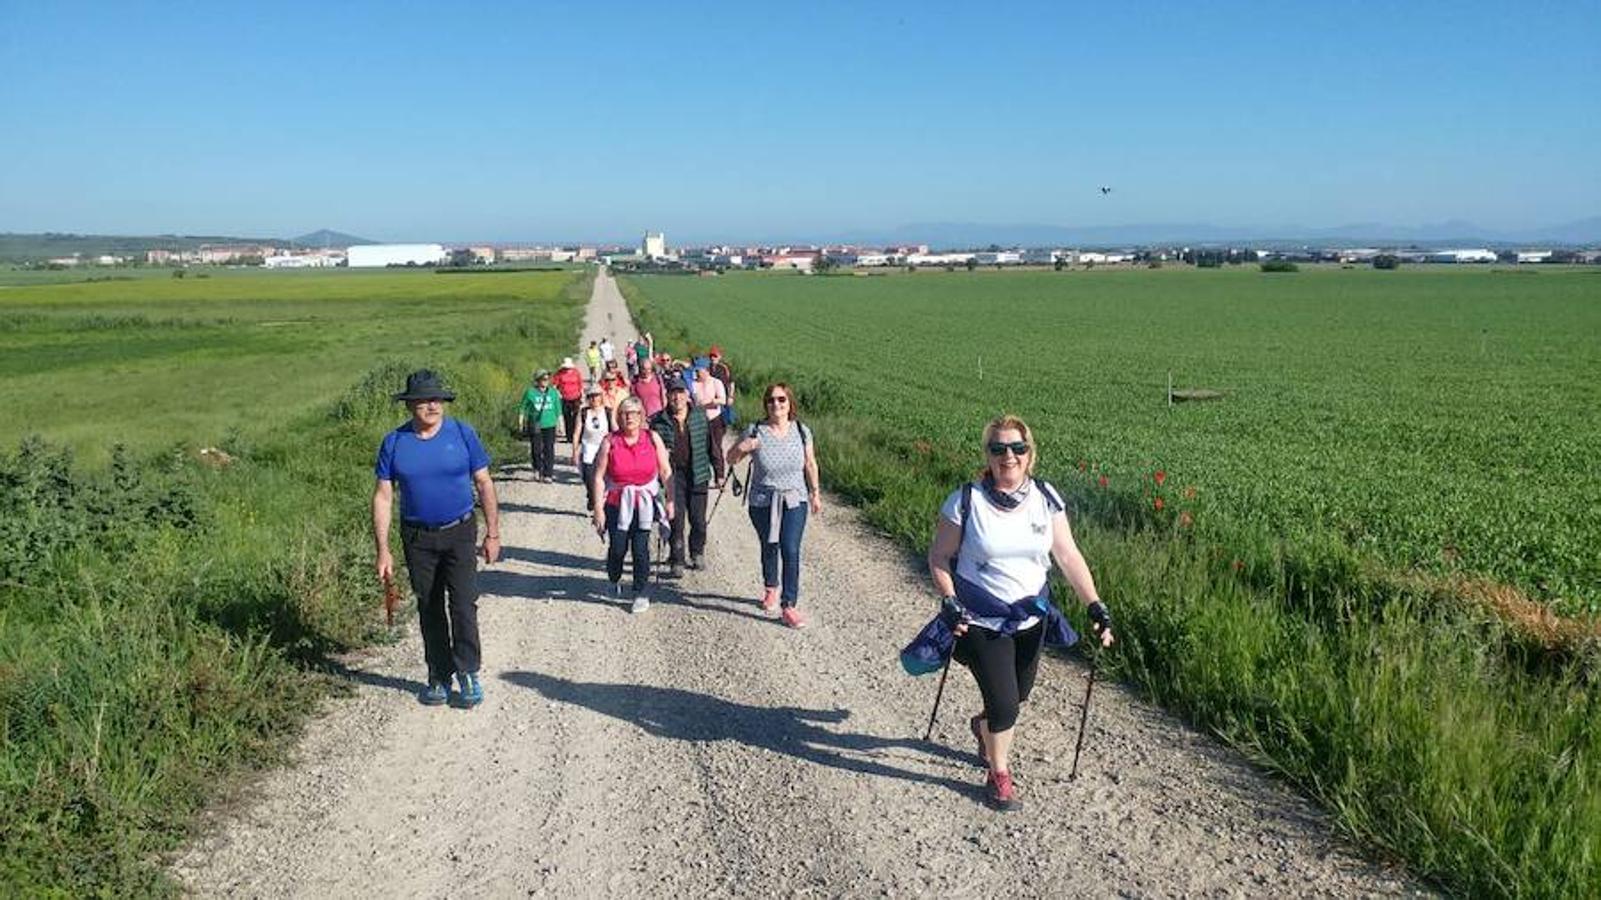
(702, 749)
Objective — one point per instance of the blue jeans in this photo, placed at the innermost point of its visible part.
(791, 527)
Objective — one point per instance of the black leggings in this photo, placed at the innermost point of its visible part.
(1004, 666)
(635, 539)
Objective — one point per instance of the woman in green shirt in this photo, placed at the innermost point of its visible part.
(537, 418)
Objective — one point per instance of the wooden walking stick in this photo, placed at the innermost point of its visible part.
(391, 600)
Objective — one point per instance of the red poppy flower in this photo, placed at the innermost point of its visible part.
(1158, 503)
(1161, 476)
(1189, 492)
(1185, 520)
(1103, 481)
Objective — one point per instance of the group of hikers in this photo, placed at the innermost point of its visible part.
(651, 444)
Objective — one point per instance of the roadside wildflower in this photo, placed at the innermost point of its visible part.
(1102, 482)
(1161, 477)
(1158, 504)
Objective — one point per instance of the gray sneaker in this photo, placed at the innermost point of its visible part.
(641, 602)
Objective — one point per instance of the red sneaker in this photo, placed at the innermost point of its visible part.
(770, 599)
(1000, 793)
(793, 618)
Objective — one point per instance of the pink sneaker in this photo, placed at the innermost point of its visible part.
(999, 791)
(770, 599)
(793, 618)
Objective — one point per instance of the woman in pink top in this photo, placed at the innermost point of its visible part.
(649, 389)
(712, 396)
(632, 474)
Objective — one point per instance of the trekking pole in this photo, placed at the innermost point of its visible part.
(938, 695)
(715, 503)
(1084, 716)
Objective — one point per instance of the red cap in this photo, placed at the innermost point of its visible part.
(716, 351)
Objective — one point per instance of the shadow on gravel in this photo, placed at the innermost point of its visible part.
(568, 588)
(687, 716)
(392, 682)
(541, 510)
(668, 591)
(556, 558)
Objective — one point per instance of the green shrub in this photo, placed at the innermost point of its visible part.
(1280, 265)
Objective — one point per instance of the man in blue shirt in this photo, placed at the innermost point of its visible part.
(437, 462)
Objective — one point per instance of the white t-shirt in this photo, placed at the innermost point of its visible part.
(1005, 552)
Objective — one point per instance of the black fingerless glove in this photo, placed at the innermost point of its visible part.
(951, 611)
(1100, 615)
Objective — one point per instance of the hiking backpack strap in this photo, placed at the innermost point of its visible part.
(1053, 497)
(965, 505)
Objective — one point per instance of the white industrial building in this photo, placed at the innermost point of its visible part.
(654, 246)
(998, 258)
(1475, 255)
(301, 260)
(938, 259)
(370, 256)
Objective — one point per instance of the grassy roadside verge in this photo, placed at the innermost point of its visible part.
(162, 620)
(1430, 732)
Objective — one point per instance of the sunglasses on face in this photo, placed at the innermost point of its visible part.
(777, 401)
(1018, 448)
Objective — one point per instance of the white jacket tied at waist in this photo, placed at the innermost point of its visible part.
(639, 503)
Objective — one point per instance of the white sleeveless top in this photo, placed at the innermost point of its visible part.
(596, 425)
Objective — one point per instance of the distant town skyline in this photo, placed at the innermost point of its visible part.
(560, 124)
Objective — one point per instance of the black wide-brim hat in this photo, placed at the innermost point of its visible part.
(425, 384)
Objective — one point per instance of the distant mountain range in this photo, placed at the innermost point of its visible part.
(325, 238)
(1583, 232)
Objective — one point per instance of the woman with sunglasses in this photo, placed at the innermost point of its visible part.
(633, 479)
(594, 423)
(990, 562)
(613, 391)
(783, 487)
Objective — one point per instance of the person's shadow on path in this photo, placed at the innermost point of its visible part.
(570, 588)
(792, 731)
(557, 559)
(339, 670)
(510, 507)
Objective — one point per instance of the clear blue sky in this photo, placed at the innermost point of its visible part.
(711, 121)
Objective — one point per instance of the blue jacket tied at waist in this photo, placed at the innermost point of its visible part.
(933, 645)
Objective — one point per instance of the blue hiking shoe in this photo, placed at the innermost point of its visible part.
(472, 693)
(435, 694)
